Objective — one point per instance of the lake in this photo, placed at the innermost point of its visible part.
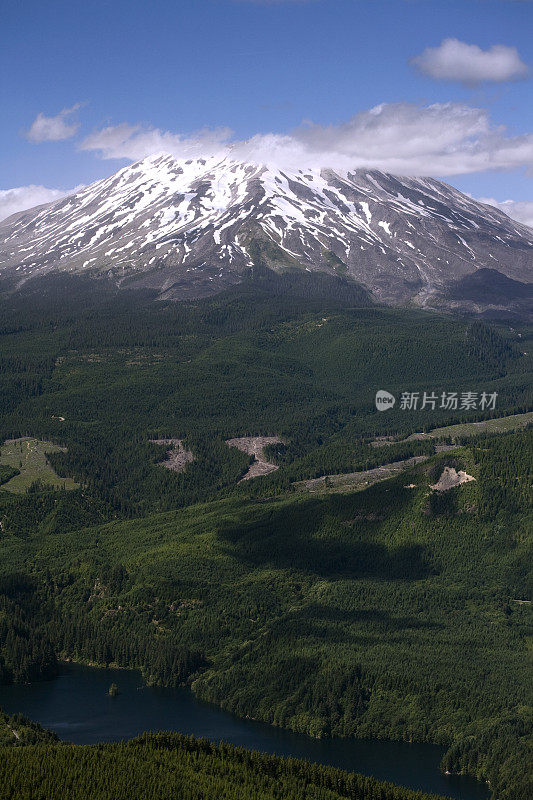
(78, 708)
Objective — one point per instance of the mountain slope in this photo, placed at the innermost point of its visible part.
(191, 228)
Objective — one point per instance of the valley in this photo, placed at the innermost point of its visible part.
(78, 707)
(381, 611)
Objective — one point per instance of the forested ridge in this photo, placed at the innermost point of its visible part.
(394, 612)
(174, 767)
(17, 731)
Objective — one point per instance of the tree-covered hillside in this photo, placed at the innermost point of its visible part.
(376, 613)
(174, 767)
(396, 611)
(281, 356)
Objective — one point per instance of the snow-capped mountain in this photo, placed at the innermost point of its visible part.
(190, 228)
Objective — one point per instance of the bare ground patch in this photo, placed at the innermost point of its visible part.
(177, 456)
(254, 446)
(450, 478)
(359, 480)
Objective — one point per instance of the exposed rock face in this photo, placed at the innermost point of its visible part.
(191, 228)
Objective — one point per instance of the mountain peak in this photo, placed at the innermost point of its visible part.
(189, 227)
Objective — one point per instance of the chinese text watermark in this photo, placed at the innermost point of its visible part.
(448, 401)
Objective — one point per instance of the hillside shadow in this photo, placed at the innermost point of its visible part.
(294, 538)
(341, 626)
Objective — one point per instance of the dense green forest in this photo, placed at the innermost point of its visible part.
(174, 767)
(395, 612)
(17, 731)
(253, 361)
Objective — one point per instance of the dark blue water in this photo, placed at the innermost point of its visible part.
(77, 707)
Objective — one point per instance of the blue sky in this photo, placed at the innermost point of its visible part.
(299, 76)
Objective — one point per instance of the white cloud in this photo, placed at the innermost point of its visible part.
(23, 197)
(54, 129)
(443, 139)
(134, 142)
(466, 63)
(522, 211)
